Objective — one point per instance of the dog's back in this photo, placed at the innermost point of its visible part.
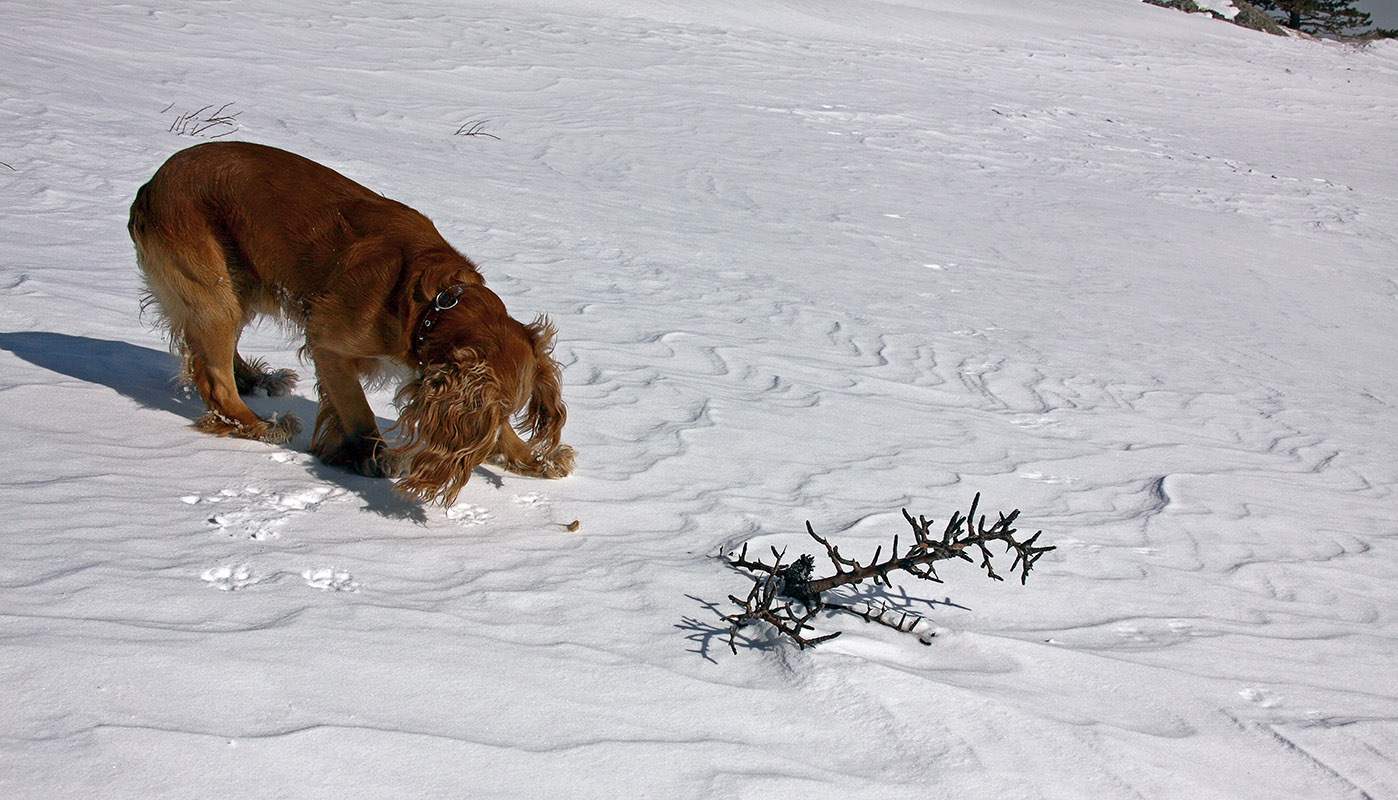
(281, 218)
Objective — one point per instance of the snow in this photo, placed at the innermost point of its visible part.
(1127, 270)
(1221, 7)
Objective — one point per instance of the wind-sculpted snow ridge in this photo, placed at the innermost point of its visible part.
(1125, 270)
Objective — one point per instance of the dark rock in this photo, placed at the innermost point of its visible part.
(1250, 17)
(1187, 6)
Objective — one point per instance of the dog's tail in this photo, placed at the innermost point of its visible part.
(139, 220)
(138, 224)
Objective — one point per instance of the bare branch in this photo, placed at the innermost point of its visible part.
(777, 587)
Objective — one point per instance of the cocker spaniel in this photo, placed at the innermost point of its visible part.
(227, 231)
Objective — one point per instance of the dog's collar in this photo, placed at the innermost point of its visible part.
(445, 299)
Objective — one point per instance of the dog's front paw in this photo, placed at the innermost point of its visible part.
(391, 463)
(361, 454)
(558, 464)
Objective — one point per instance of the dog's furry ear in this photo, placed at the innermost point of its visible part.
(546, 413)
(448, 424)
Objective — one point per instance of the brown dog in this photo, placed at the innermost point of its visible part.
(226, 231)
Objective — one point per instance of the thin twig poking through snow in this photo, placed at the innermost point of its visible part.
(211, 125)
(787, 597)
(474, 129)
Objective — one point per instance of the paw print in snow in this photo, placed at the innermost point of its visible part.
(256, 513)
(330, 579)
(230, 578)
(1262, 697)
(303, 499)
(467, 514)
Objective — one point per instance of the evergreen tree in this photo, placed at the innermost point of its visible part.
(1317, 16)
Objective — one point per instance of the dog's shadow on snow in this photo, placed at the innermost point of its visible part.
(147, 376)
(140, 373)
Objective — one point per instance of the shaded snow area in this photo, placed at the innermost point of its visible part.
(1127, 270)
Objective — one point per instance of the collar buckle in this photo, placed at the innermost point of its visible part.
(446, 299)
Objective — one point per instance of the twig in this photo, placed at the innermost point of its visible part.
(475, 129)
(192, 124)
(882, 615)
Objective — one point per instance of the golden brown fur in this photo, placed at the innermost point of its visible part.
(226, 231)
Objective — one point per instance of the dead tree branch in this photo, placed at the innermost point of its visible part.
(762, 604)
(778, 589)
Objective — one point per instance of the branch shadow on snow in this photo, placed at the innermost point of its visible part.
(148, 376)
(704, 633)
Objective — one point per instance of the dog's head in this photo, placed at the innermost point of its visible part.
(484, 376)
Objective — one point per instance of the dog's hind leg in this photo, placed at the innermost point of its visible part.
(189, 280)
(253, 374)
(211, 352)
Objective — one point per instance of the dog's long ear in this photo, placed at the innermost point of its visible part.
(546, 413)
(448, 423)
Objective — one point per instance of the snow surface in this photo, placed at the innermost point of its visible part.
(1223, 7)
(1128, 270)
